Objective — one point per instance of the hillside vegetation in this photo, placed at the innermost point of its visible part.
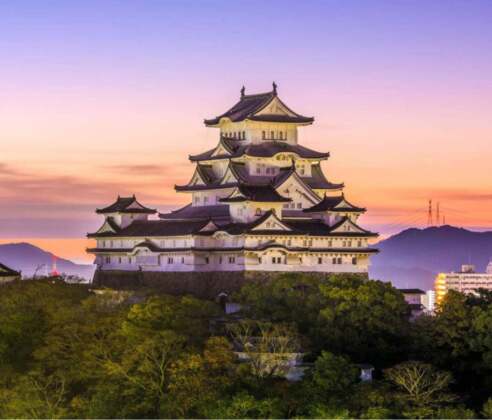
(67, 351)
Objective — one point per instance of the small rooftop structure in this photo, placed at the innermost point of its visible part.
(8, 274)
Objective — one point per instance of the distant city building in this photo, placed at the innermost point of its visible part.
(7, 274)
(429, 301)
(414, 297)
(465, 281)
(259, 202)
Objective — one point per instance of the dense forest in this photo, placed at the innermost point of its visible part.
(70, 352)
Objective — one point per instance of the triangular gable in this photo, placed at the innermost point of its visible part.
(229, 177)
(347, 226)
(275, 107)
(343, 204)
(197, 178)
(301, 186)
(237, 193)
(210, 226)
(272, 222)
(134, 205)
(107, 227)
(220, 150)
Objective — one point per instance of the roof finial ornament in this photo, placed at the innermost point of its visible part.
(243, 91)
(274, 88)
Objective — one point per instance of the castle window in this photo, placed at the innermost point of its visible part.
(232, 260)
(299, 205)
(339, 260)
(359, 244)
(104, 244)
(334, 260)
(129, 260)
(205, 199)
(182, 260)
(220, 260)
(108, 260)
(207, 260)
(354, 260)
(263, 135)
(272, 135)
(244, 135)
(281, 136)
(170, 260)
(320, 260)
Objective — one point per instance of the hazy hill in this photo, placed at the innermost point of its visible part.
(413, 257)
(26, 258)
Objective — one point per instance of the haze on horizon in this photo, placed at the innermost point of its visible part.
(108, 98)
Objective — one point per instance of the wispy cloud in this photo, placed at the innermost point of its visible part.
(146, 169)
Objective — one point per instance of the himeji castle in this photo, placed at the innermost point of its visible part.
(259, 202)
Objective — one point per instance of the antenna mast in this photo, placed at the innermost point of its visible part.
(429, 214)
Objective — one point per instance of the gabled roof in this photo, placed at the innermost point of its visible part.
(249, 105)
(257, 193)
(7, 271)
(109, 225)
(266, 149)
(148, 228)
(126, 205)
(190, 212)
(346, 226)
(288, 173)
(337, 204)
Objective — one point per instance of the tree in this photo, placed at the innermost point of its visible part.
(367, 320)
(421, 386)
(334, 374)
(269, 348)
(246, 406)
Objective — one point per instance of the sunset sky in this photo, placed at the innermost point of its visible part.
(108, 97)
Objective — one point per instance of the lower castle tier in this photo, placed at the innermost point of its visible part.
(259, 202)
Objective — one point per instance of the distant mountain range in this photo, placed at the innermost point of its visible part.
(28, 258)
(413, 257)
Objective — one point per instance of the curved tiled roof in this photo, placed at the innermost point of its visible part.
(249, 105)
(257, 193)
(121, 205)
(266, 149)
(190, 212)
(331, 203)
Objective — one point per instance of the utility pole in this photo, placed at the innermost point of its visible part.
(438, 219)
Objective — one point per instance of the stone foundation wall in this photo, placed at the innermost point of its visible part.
(206, 285)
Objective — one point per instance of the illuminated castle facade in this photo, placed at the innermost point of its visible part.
(259, 201)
